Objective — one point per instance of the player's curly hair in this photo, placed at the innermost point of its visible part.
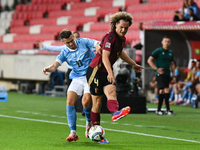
(115, 18)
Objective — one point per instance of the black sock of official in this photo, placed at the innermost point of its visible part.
(160, 101)
(167, 95)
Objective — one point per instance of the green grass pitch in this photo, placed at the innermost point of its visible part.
(36, 122)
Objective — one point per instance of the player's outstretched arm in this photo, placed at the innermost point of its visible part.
(41, 46)
(51, 68)
(127, 59)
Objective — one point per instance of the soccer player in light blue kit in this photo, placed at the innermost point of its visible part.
(58, 49)
(78, 54)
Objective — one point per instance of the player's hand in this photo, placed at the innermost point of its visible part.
(111, 78)
(98, 49)
(160, 70)
(45, 70)
(39, 44)
(138, 68)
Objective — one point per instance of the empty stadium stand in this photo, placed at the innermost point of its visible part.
(42, 20)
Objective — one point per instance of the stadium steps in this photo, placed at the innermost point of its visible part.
(39, 7)
(155, 7)
(52, 1)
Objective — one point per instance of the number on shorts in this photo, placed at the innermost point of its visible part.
(96, 81)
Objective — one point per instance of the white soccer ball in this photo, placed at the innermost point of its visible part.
(96, 133)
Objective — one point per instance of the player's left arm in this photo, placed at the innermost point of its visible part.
(107, 64)
(127, 59)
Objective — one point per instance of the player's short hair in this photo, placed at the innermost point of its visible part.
(115, 18)
(167, 37)
(65, 33)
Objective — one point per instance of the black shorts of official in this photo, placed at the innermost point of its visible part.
(96, 81)
(163, 81)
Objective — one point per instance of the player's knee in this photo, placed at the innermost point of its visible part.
(70, 102)
(86, 100)
(111, 93)
(86, 103)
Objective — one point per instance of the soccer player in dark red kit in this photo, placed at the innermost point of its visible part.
(100, 75)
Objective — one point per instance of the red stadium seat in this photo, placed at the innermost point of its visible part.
(58, 28)
(18, 22)
(97, 35)
(100, 26)
(154, 6)
(135, 25)
(20, 30)
(102, 0)
(132, 35)
(152, 15)
(132, 2)
(100, 4)
(26, 7)
(57, 43)
(28, 15)
(45, 21)
(82, 20)
(19, 7)
(34, 37)
(107, 10)
(73, 13)
(14, 51)
(52, 1)
(163, 1)
(53, 7)
(17, 45)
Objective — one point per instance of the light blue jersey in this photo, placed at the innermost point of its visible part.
(55, 49)
(80, 58)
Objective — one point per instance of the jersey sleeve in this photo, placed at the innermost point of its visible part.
(61, 57)
(155, 53)
(107, 42)
(53, 48)
(91, 45)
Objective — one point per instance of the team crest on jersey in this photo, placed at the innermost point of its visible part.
(76, 52)
(107, 44)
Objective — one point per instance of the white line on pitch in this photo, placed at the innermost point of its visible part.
(122, 131)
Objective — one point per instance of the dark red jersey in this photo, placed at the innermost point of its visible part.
(112, 43)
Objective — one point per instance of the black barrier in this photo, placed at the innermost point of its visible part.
(137, 104)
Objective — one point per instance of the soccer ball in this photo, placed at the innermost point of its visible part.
(96, 133)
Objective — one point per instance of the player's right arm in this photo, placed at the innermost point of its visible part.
(51, 68)
(50, 48)
(151, 63)
(59, 60)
